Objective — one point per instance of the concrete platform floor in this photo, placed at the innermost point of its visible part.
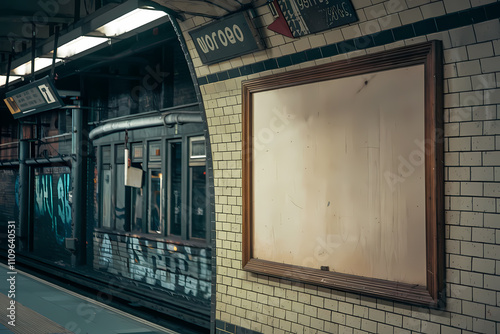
(45, 308)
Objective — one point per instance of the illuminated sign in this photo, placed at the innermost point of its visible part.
(227, 38)
(33, 98)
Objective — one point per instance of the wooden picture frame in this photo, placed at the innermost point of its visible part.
(427, 56)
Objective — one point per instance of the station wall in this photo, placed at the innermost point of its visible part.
(470, 33)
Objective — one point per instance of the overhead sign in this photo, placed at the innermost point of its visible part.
(33, 98)
(227, 38)
(310, 16)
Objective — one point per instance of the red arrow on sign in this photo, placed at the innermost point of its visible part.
(279, 25)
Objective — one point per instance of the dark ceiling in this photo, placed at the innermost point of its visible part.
(18, 19)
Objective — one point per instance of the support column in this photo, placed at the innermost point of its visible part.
(24, 188)
(78, 151)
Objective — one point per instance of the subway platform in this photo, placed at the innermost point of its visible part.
(32, 305)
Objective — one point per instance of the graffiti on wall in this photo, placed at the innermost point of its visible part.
(9, 201)
(52, 209)
(180, 269)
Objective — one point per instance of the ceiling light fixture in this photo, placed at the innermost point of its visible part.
(12, 78)
(79, 45)
(40, 63)
(130, 21)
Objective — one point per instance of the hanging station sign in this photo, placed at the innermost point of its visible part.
(227, 38)
(33, 98)
(310, 16)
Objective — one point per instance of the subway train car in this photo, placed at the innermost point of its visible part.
(110, 190)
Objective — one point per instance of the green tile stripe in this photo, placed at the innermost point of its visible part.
(420, 28)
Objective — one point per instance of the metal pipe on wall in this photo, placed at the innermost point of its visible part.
(169, 119)
(9, 163)
(125, 125)
(40, 161)
(179, 118)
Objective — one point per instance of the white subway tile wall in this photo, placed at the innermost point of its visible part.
(472, 183)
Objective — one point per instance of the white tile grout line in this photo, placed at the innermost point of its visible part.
(125, 314)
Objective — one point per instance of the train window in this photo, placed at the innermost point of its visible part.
(106, 187)
(175, 199)
(136, 194)
(136, 152)
(136, 200)
(106, 196)
(197, 188)
(155, 202)
(119, 153)
(197, 148)
(119, 188)
(106, 155)
(120, 213)
(197, 196)
(155, 151)
(172, 200)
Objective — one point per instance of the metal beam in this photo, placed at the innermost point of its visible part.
(9, 65)
(77, 10)
(9, 38)
(33, 51)
(54, 55)
(28, 15)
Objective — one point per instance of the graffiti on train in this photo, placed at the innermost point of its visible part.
(9, 196)
(177, 268)
(52, 207)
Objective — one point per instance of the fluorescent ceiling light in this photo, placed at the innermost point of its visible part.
(130, 21)
(40, 63)
(3, 79)
(79, 45)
